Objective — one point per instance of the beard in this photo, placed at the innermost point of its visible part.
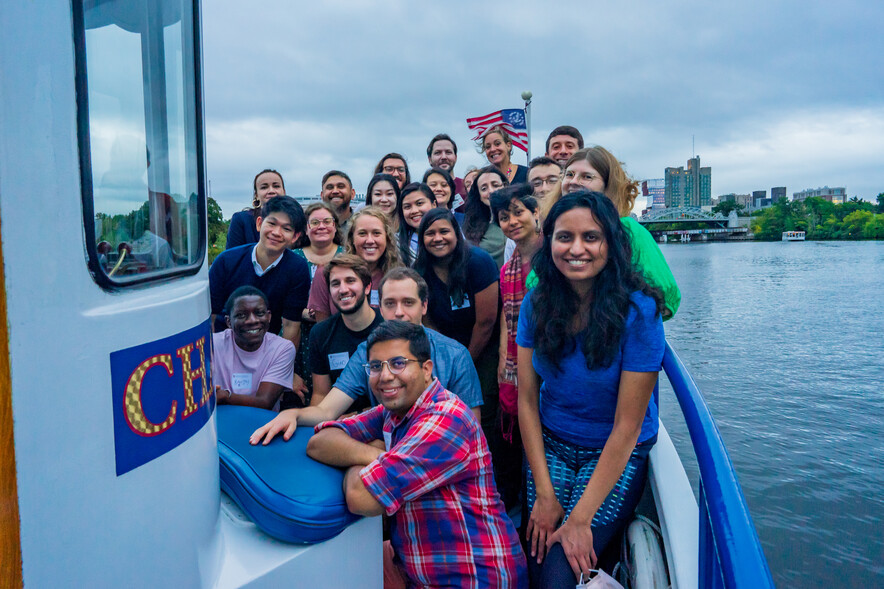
(360, 300)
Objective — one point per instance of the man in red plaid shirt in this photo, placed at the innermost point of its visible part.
(420, 457)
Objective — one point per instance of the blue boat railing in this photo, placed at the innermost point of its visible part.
(730, 551)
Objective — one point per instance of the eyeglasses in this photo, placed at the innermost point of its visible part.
(391, 169)
(318, 222)
(394, 365)
(538, 182)
(583, 177)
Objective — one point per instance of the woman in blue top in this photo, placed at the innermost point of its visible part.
(243, 228)
(592, 333)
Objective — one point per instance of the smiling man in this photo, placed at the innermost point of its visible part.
(442, 153)
(403, 294)
(562, 143)
(421, 458)
(333, 342)
(337, 191)
(269, 266)
(250, 366)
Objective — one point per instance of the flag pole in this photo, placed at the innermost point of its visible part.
(526, 96)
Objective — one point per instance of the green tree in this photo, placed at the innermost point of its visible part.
(881, 202)
(874, 228)
(725, 207)
(854, 223)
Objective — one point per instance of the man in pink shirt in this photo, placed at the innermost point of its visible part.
(250, 366)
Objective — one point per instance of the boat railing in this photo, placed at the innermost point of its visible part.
(730, 553)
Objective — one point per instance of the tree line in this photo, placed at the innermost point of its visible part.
(817, 217)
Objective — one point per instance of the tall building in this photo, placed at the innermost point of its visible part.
(778, 192)
(758, 198)
(833, 195)
(655, 191)
(688, 188)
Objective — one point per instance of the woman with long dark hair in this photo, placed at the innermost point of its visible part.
(415, 201)
(462, 303)
(462, 281)
(591, 332)
(477, 223)
(243, 228)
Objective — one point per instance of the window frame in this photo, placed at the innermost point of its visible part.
(85, 158)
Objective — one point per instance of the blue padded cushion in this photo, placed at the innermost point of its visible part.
(287, 494)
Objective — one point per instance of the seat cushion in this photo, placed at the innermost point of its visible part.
(287, 494)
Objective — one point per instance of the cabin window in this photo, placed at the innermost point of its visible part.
(140, 138)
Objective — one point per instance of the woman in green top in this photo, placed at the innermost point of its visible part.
(477, 225)
(596, 169)
(318, 245)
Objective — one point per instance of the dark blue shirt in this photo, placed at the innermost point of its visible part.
(457, 321)
(287, 285)
(242, 230)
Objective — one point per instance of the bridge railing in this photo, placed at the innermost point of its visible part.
(730, 551)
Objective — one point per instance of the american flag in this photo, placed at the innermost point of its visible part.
(511, 119)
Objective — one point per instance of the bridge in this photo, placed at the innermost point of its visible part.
(691, 215)
(693, 225)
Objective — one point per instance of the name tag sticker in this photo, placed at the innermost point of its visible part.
(464, 305)
(338, 361)
(241, 381)
(373, 299)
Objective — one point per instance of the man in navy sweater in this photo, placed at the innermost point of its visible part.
(270, 266)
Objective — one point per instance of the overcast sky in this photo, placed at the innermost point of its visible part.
(775, 93)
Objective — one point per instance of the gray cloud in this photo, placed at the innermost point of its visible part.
(775, 93)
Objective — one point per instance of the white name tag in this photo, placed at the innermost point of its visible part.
(464, 305)
(388, 440)
(241, 381)
(338, 361)
(373, 299)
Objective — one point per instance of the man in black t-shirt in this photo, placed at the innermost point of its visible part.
(334, 340)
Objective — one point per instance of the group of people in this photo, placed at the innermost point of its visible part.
(467, 348)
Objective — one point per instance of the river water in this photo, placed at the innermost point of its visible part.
(786, 341)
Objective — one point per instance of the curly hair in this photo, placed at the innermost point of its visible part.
(555, 302)
(459, 258)
(477, 215)
(390, 258)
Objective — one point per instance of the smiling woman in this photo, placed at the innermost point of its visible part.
(267, 184)
(371, 238)
(591, 343)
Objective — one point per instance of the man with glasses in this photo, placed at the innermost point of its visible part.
(421, 459)
(394, 165)
(403, 296)
(544, 175)
(337, 191)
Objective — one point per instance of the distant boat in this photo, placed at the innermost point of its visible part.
(794, 235)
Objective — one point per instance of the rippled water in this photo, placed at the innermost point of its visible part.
(786, 341)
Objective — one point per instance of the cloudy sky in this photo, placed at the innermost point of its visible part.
(774, 93)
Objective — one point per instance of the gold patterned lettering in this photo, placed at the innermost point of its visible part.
(189, 375)
(134, 410)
